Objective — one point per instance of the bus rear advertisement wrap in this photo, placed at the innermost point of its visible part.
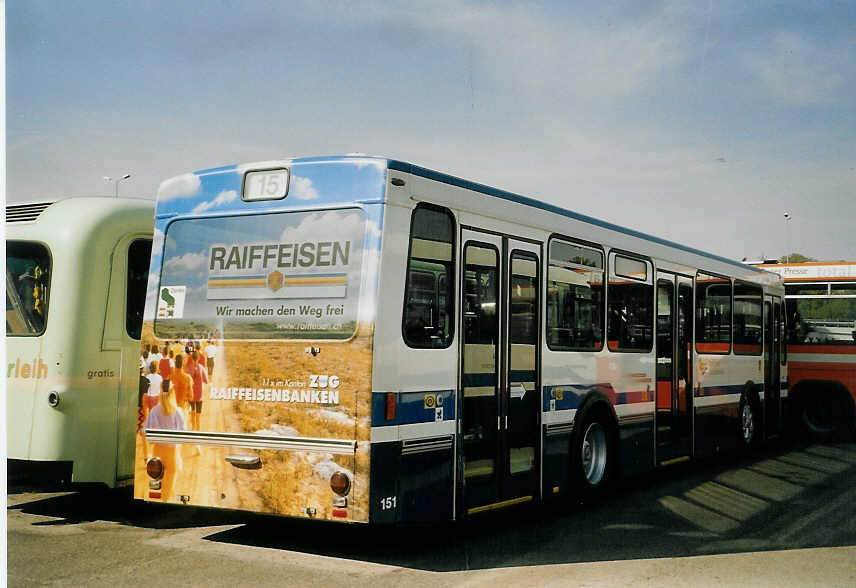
(282, 302)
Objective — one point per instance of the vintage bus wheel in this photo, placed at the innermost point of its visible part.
(826, 414)
(747, 422)
(818, 421)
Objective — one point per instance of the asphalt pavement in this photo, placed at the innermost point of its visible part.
(783, 516)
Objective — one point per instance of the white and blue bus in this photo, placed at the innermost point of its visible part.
(76, 273)
(396, 345)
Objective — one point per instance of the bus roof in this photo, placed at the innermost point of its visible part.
(487, 190)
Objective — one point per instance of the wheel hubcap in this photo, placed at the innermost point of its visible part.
(594, 453)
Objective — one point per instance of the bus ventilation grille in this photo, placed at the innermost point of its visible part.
(23, 213)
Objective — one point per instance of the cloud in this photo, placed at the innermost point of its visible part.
(183, 186)
(157, 242)
(189, 263)
(797, 72)
(302, 189)
(222, 198)
(542, 53)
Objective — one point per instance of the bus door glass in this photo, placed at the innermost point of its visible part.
(684, 362)
(500, 326)
(674, 369)
(665, 356)
(479, 367)
(772, 388)
(521, 399)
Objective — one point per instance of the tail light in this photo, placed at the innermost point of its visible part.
(154, 468)
(340, 483)
(390, 406)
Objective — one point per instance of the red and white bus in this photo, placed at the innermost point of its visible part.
(820, 302)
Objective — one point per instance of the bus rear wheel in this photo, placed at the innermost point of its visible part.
(592, 452)
(826, 415)
(748, 422)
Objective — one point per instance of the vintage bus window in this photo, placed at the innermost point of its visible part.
(630, 310)
(28, 269)
(285, 275)
(822, 320)
(747, 318)
(574, 297)
(427, 319)
(139, 254)
(713, 314)
(842, 289)
(806, 289)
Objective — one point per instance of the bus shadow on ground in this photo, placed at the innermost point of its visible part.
(778, 498)
(71, 505)
(781, 497)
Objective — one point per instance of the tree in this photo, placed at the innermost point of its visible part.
(795, 258)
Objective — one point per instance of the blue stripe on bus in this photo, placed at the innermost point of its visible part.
(410, 407)
(461, 183)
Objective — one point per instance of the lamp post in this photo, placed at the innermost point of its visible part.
(787, 241)
(116, 183)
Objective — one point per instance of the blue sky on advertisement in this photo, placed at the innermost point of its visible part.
(698, 122)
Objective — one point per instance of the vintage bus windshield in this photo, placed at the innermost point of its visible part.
(272, 276)
(28, 267)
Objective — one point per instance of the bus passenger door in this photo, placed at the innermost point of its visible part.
(674, 356)
(772, 388)
(121, 341)
(500, 323)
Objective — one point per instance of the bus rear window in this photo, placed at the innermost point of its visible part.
(28, 269)
(293, 275)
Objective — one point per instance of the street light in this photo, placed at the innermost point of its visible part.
(116, 183)
(787, 241)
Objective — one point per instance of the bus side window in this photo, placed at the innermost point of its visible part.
(574, 297)
(630, 321)
(747, 318)
(427, 318)
(139, 254)
(713, 313)
(28, 277)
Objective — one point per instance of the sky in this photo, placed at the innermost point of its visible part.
(699, 122)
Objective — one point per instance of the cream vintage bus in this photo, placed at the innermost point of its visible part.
(76, 273)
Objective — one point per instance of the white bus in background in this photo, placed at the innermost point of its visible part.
(76, 274)
(401, 345)
(820, 298)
